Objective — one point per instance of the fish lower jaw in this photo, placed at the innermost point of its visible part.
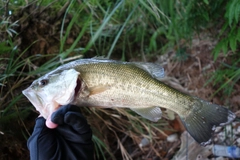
(49, 109)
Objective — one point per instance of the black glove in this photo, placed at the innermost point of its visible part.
(72, 139)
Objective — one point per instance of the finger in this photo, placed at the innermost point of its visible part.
(50, 124)
(58, 116)
(77, 121)
(75, 128)
(42, 143)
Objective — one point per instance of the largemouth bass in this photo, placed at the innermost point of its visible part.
(134, 85)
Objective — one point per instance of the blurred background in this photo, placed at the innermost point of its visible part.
(196, 41)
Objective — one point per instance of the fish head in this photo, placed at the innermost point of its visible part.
(52, 90)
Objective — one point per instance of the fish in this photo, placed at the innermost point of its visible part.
(135, 85)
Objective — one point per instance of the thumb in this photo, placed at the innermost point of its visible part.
(49, 123)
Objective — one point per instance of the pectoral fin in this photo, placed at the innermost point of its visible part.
(97, 89)
(151, 113)
(89, 91)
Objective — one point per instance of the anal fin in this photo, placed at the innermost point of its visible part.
(150, 113)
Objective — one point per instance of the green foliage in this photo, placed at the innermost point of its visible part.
(226, 77)
(4, 48)
(230, 32)
(7, 26)
(229, 40)
(232, 12)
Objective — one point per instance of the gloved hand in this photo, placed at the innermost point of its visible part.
(72, 139)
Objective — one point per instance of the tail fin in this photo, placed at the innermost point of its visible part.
(202, 120)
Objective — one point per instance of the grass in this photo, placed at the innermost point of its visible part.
(227, 76)
(124, 30)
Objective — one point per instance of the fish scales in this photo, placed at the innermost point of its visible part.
(135, 88)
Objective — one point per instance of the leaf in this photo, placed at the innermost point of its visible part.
(120, 32)
(217, 50)
(233, 12)
(233, 43)
(4, 48)
(206, 1)
(225, 46)
(237, 10)
(100, 29)
(238, 35)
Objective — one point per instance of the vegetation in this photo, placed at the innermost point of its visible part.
(38, 36)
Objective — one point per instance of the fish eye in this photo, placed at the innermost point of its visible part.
(43, 82)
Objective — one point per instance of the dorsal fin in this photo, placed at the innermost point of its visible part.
(154, 69)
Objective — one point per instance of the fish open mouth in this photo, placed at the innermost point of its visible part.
(32, 97)
(36, 101)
